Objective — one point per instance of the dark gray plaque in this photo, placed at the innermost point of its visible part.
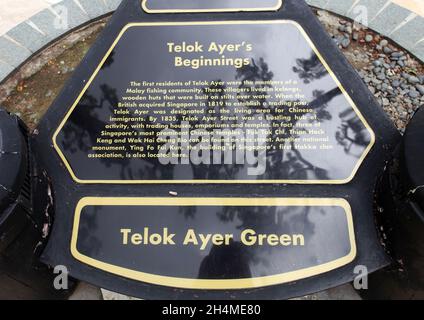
(214, 102)
(176, 6)
(192, 242)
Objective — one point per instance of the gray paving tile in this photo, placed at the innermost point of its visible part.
(19, 289)
(113, 4)
(412, 32)
(389, 19)
(94, 8)
(340, 7)
(317, 3)
(28, 37)
(11, 53)
(49, 23)
(75, 15)
(5, 69)
(85, 291)
(418, 50)
(372, 7)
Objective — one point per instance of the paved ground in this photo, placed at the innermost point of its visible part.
(413, 5)
(14, 12)
(88, 292)
(400, 20)
(28, 26)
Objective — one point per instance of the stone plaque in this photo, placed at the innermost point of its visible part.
(213, 102)
(213, 155)
(176, 6)
(243, 243)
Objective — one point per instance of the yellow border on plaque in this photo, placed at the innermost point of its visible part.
(142, 24)
(230, 284)
(146, 9)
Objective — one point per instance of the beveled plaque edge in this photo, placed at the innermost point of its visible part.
(203, 284)
(150, 11)
(229, 22)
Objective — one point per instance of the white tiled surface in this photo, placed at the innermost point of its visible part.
(13, 12)
(29, 25)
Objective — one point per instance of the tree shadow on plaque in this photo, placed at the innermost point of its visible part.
(226, 262)
(91, 245)
(86, 122)
(238, 260)
(282, 163)
(351, 131)
(84, 126)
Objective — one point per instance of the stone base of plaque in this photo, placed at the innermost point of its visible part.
(403, 221)
(22, 275)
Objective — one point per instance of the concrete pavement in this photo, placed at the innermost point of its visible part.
(28, 26)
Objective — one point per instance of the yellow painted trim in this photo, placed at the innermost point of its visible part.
(142, 24)
(230, 284)
(146, 9)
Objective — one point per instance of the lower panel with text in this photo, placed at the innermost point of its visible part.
(214, 243)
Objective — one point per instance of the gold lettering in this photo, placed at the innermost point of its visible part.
(125, 233)
(190, 238)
